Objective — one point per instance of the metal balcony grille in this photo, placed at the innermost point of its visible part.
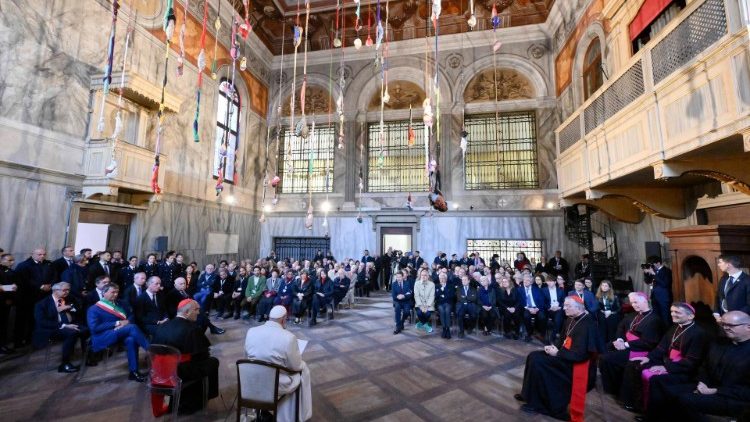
(706, 25)
(308, 166)
(401, 168)
(506, 248)
(300, 248)
(617, 96)
(570, 134)
(501, 153)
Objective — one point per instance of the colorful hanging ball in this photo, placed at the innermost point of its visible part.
(357, 43)
(275, 181)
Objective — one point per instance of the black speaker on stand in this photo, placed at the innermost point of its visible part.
(653, 249)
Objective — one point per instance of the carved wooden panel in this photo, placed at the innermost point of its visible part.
(511, 85)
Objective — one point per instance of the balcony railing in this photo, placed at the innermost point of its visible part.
(688, 87)
(133, 173)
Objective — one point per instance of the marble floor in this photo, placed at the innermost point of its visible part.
(360, 372)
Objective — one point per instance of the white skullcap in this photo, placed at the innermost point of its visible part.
(277, 312)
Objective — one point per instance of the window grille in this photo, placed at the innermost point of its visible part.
(401, 168)
(307, 170)
(506, 248)
(501, 153)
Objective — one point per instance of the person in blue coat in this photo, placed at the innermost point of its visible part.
(109, 324)
(322, 297)
(589, 300)
(340, 287)
(402, 294)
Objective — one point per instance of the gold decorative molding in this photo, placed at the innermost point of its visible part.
(317, 101)
(402, 94)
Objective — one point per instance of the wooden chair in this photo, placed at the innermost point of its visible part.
(258, 387)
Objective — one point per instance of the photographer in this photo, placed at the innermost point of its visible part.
(659, 278)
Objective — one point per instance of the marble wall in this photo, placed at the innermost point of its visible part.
(49, 54)
(631, 239)
(440, 232)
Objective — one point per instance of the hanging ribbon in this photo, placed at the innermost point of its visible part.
(111, 169)
(169, 22)
(217, 27)
(201, 67)
(107, 80)
(181, 39)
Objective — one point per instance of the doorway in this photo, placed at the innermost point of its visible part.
(102, 230)
(397, 238)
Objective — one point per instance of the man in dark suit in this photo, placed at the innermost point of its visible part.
(134, 291)
(109, 324)
(64, 262)
(150, 310)
(660, 278)
(533, 312)
(734, 288)
(366, 257)
(466, 305)
(553, 301)
(579, 289)
(167, 271)
(100, 268)
(223, 287)
(302, 293)
(475, 260)
(173, 298)
(127, 272)
(402, 295)
(57, 318)
(8, 299)
(96, 294)
(35, 276)
(184, 334)
(77, 276)
(557, 265)
(583, 268)
(417, 260)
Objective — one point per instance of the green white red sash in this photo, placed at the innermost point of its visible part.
(112, 309)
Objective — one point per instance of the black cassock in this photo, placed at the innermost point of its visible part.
(648, 329)
(690, 341)
(188, 338)
(726, 368)
(548, 380)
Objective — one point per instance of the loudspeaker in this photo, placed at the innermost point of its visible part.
(653, 249)
(162, 243)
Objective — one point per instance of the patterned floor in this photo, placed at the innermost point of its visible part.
(360, 372)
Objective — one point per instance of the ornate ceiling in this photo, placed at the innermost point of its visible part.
(272, 19)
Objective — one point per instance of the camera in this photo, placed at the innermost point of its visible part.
(646, 266)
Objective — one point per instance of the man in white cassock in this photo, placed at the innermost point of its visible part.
(272, 343)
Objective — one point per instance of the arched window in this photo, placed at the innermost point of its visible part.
(592, 69)
(227, 131)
